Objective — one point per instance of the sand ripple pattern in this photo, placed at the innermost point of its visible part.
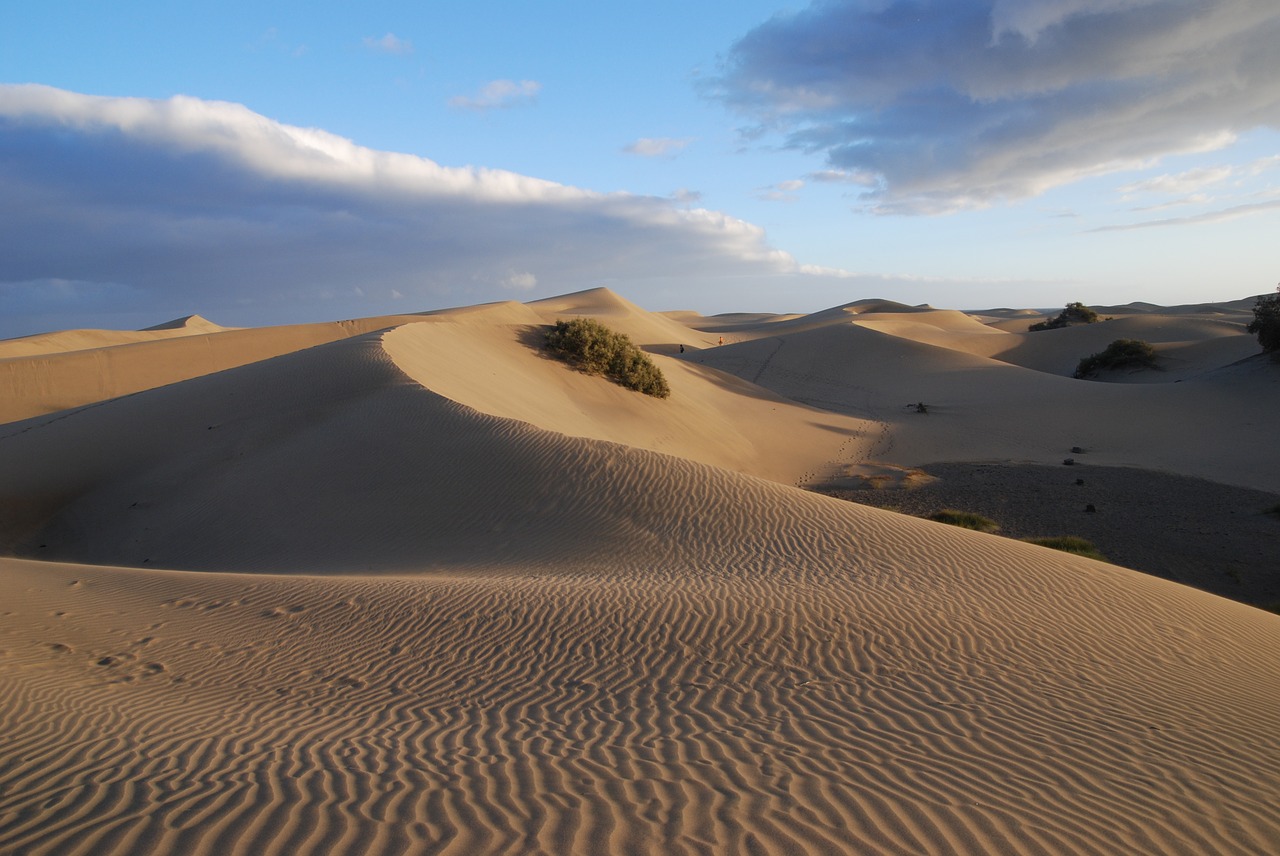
(842, 712)
(576, 647)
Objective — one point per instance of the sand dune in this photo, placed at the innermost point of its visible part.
(87, 366)
(1184, 346)
(428, 591)
(987, 409)
(84, 340)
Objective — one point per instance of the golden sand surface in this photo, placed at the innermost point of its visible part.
(409, 586)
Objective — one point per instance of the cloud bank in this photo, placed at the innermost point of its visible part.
(117, 205)
(957, 104)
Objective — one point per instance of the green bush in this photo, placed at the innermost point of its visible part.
(965, 520)
(1266, 321)
(595, 349)
(1075, 313)
(1122, 353)
(1070, 544)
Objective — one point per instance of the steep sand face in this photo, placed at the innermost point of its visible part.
(574, 645)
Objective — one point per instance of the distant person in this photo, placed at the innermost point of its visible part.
(682, 349)
(722, 340)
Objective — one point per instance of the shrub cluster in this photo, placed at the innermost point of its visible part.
(1070, 544)
(1075, 313)
(965, 520)
(1266, 321)
(1122, 353)
(1065, 543)
(595, 349)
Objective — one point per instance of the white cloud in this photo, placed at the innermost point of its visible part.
(860, 177)
(166, 207)
(520, 281)
(499, 94)
(652, 147)
(956, 105)
(1262, 165)
(1183, 182)
(389, 44)
(783, 191)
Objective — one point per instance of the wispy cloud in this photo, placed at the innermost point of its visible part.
(1183, 182)
(271, 40)
(499, 94)
(957, 105)
(861, 177)
(182, 205)
(783, 191)
(523, 281)
(1193, 199)
(1262, 165)
(1235, 212)
(389, 44)
(653, 147)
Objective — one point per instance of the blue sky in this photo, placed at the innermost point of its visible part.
(280, 162)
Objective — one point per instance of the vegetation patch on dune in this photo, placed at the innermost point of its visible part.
(965, 520)
(1070, 544)
(595, 349)
(1075, 313)
(1266, 321)
(1120, 354)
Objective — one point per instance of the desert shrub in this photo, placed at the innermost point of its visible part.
(595, 349)
(1266, 321)
(1075, 313)
(1070, 544)
(1122, 353)
(965, 520)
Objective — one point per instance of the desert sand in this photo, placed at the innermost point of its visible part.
(407, 585)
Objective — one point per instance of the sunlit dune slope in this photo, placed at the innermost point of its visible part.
(653, 331)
